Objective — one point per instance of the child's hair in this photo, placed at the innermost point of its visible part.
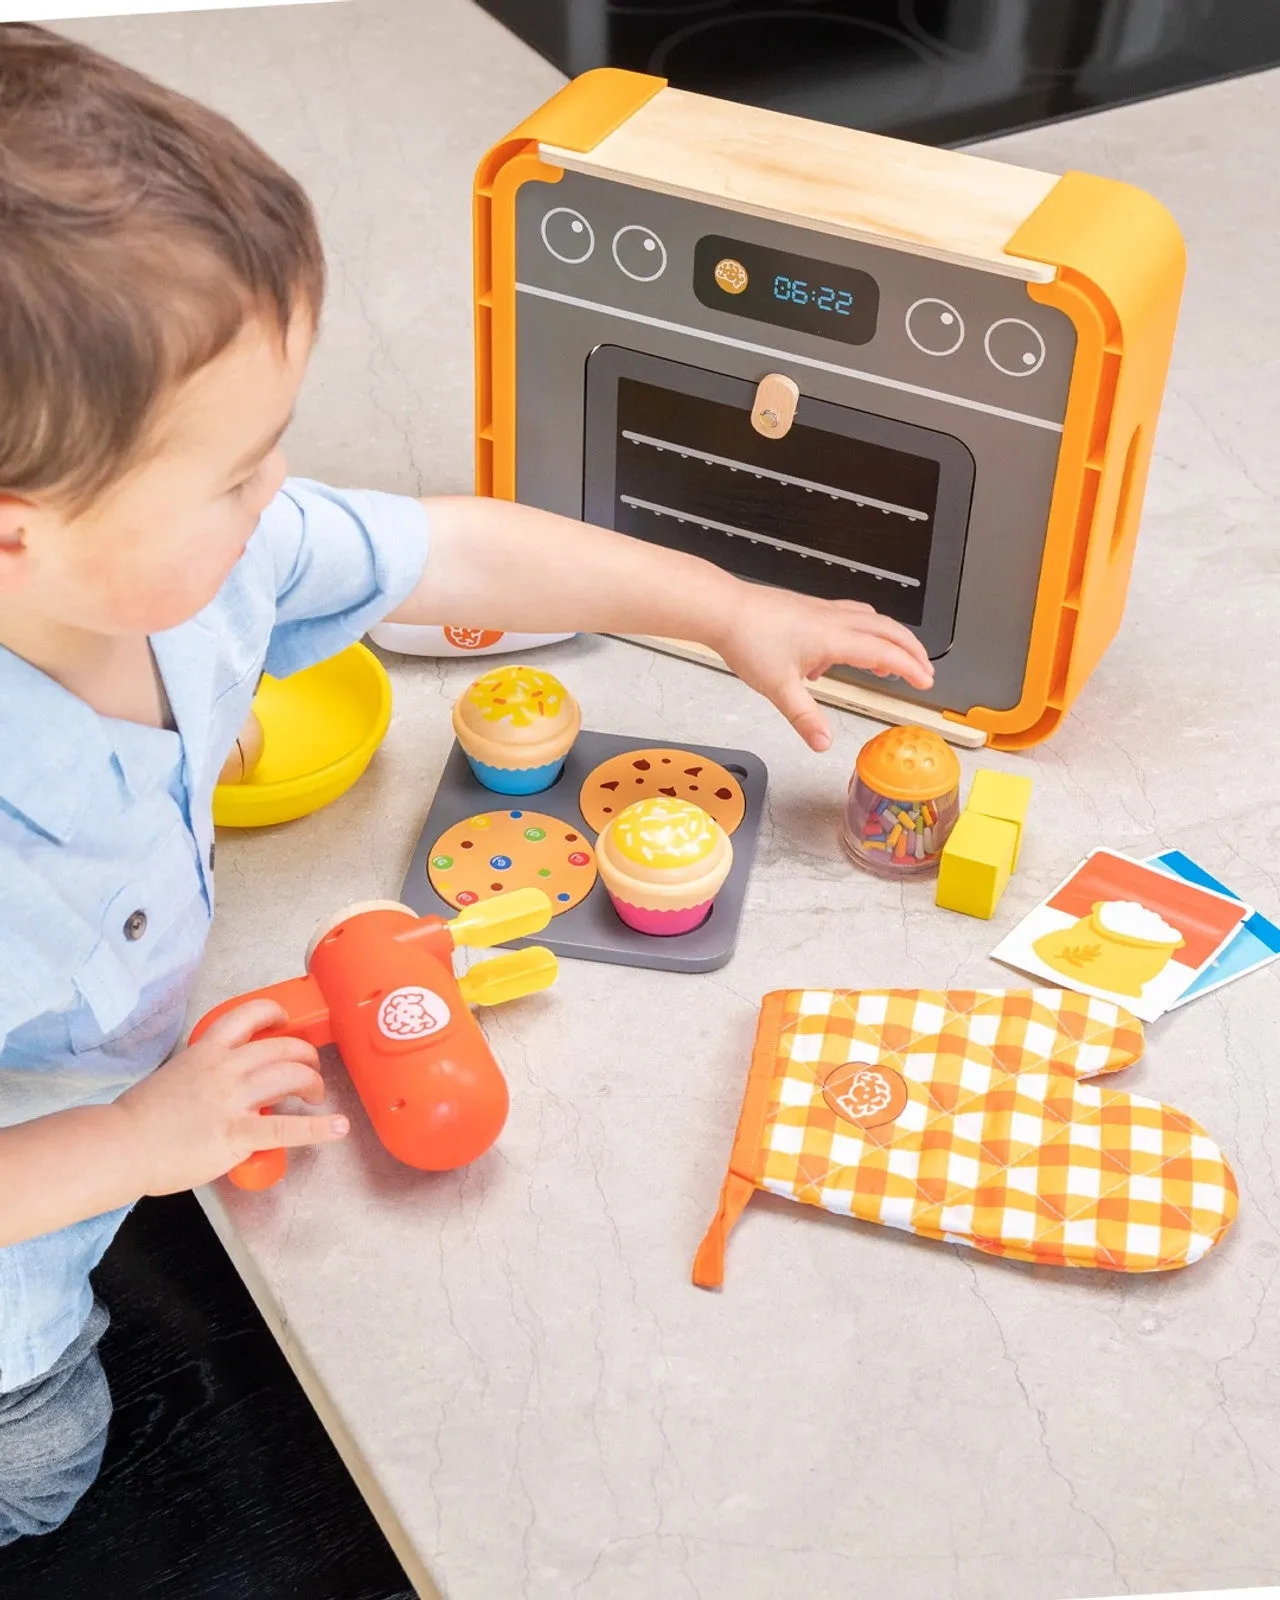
(139, 233)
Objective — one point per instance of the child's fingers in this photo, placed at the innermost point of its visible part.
(239, 1026)
(883, 657)
(886, 628)
(801, 710)
(279, 1131)
(273, 1081)
(259, 1053)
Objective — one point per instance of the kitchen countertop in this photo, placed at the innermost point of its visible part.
(532, 1396)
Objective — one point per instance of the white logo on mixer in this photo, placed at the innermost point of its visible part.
(412, 1013)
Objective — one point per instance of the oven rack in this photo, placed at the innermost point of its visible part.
(735, 532)
(689, 452)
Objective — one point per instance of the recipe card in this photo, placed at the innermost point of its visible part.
(1124, 931)
(1256, 942)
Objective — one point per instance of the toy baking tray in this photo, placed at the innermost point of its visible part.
(591, 930)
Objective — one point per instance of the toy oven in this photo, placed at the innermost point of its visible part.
(957, 456)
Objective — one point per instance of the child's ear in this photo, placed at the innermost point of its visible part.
(15, 515)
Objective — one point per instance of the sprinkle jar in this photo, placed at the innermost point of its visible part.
(903, 801)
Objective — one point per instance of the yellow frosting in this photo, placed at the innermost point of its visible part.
(664, 833)
(519, 695)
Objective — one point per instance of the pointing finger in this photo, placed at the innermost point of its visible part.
(802, 712)
(281, 1131)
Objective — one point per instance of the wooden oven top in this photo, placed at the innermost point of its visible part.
(943, 203)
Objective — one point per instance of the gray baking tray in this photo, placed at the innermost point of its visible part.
(592, 931)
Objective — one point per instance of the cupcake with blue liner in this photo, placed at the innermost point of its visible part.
(516, 725)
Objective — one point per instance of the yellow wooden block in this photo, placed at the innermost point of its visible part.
(976, 862)
(1004, 796)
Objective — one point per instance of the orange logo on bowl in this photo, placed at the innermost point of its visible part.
(472, 638)
(867, 1096)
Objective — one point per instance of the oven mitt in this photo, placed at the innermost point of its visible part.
(961, 1115)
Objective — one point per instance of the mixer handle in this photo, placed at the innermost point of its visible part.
(509, 977)
(489, 922)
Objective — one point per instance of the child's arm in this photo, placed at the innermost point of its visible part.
(509, 566)
(187, 1123)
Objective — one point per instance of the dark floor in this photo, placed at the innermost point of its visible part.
(218, 1480)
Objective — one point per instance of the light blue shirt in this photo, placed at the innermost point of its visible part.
(106, 847)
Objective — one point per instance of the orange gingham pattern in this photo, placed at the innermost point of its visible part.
(1000, 1145)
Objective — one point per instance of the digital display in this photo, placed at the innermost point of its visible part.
(786, 290)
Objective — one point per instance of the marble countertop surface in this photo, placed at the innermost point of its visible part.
(531, 1394)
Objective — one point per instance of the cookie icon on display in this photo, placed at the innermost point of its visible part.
(731, 275)
(645, 774)
(498, 851)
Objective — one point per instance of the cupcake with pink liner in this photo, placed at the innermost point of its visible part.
(663, 861)
(516, 725)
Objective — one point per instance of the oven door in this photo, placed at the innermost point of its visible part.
(847, 505)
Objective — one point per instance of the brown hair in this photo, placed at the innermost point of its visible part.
(139, 232)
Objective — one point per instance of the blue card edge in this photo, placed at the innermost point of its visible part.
(1198, 877)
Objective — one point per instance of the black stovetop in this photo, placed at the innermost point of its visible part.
(939, 71)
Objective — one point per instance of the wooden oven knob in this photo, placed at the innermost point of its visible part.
(774, 407)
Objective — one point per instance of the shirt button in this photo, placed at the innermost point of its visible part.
(135, 925)
(212, 852)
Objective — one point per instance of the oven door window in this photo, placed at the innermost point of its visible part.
(847, 505)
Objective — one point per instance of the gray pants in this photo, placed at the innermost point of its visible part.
(52, 1435)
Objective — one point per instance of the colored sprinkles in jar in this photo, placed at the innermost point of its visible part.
(903, 829)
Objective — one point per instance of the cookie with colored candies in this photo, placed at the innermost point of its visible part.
(678, 774)
(498, 851)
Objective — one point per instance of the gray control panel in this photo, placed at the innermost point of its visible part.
(961, 352)
(954, 331)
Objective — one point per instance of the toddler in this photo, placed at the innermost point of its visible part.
(161, 282)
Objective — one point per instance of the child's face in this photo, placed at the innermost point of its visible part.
(156, 547)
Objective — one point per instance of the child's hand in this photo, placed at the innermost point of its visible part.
(776, 641)
(198, 1115)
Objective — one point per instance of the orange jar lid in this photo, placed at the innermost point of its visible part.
(909, 764)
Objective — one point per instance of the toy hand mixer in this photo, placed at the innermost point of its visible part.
(380, 986)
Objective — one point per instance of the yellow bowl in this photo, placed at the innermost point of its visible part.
(320, 729)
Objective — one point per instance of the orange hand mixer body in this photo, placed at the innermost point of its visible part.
(380, 986)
